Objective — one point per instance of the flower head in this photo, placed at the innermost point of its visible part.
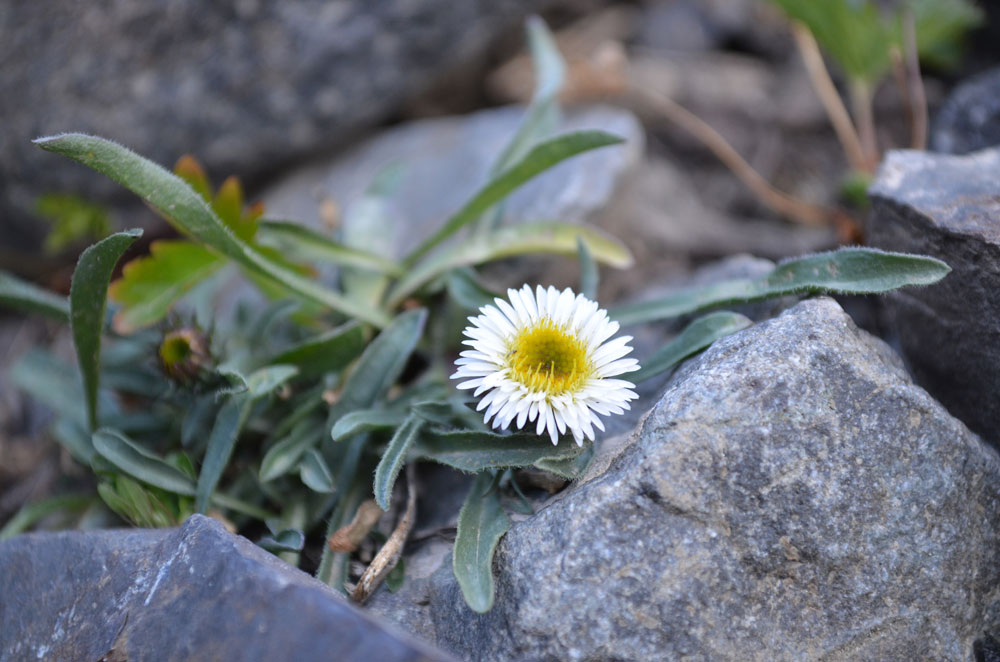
(545, 357)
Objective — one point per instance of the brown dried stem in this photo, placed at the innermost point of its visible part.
(388, 556)
(917, 96)
(829, 97)
(785, 205)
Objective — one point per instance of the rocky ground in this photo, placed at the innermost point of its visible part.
(824, 485)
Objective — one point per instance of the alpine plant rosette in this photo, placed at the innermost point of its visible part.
(546, 357)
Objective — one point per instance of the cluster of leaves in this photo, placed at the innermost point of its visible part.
(279, 414)
(860, 37)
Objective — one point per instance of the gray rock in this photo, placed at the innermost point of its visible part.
(246, 85)
(969, 120)
(793, 496)
(193, 593)
(442, 162)
(948, 207)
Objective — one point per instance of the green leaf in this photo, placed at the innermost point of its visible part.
(941, 26)
(844, 271)
(853, 32)
(474, 451)
(570, 467)
(394, 458)
(696, 337)
(287, 540)
(327, 352)
(264, 381)
(74, 438)
(467, 291)
(73, 219)
(304, 243)
(55, 383)
(87, 302)
(28, 297)
(32, 513)
(589, 277)
(139, 463)
(381, 363)
(151, 284)
(542, 114)
(136, 503)
(541, 157)
(179, 203)
(481, 524)
(511, 241)
(220, 446)
(284, 455)
(314, 472)
(365, 420)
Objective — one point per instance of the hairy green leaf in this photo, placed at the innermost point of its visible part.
(220, 446)
(305, 243)
(28, 297)
(381, 363)
(284, 455)
(553, 238)
(172, 197)
(481, 524)
(540, 158)
(150, 285)
(315, 473)
(365, 420)
(474, 451)
(394, 458)
(140, 463)
(87, 302)
(467, 291)
(32, 513)
(327, 352)
(844, 271)
(696, 337)
(589, 277)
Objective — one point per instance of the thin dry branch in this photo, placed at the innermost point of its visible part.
(785, 205)
(388, 556)
(829, 97)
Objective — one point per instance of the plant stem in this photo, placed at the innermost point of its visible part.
(861, 102)
(785, 205)
(828, 96)
(915, 84)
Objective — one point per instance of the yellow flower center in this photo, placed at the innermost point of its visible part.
(546, 358)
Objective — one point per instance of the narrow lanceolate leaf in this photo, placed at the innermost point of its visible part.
(139, 463)
(305, 243)
(365, 420)
(220, 446)
(150, 285)
(327, 352)
(381, 363)
(473, 451)
(88, 301)
(284, 455)
(394, 458)
(552, 238)
(21, 295)
(32, 513)
(844, 271)
(467, 291)
(172, 197)
(696, 337)
(228, 425)
(542, 114)
(589, 277)
(481, 524)
(315, 473)
(540, 158)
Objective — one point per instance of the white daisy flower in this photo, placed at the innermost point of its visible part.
(546, 358)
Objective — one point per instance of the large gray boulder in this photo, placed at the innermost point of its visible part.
(793, 496)
(969, 120)
(949, 207)
(193, 593)
(247, 86)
